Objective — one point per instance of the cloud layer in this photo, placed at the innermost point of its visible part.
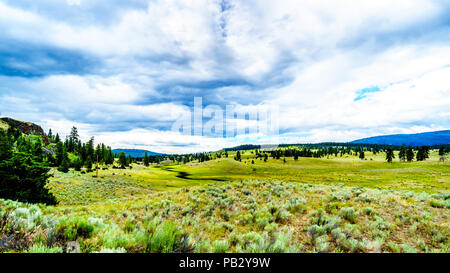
(126, 72)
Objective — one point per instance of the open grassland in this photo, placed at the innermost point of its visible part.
(309, 205)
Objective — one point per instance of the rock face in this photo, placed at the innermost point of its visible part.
(27, 128)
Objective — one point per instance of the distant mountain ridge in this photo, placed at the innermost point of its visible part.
(419, 139)
(136, 153)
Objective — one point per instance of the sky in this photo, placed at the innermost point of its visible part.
(126, 71)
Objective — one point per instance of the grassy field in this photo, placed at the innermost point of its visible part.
(310, 205)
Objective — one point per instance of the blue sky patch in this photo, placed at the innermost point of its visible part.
(361, 94)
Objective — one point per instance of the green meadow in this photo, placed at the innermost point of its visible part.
(334, 204)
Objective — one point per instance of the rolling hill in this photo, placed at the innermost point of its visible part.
(428, 138)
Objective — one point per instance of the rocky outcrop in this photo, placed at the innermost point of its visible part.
(27, 128)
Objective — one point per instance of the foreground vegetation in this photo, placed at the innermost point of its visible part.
(248, 216)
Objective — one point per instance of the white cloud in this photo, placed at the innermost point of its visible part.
(309, 58)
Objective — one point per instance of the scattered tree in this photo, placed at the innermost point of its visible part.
(402, 153)
(146, 160)
(410, 154)
(389, 154)
(122, 160)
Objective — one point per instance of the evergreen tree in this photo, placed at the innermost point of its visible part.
(88, 164)
(57, 138)
(90, 148)
(23, 176)
(422, 153)
(72, 139)
(402, 153)
(60, 153)
(441, 151)
(238, 156)
(389, 154)
(361, 154)
(50, 135)
(409, 154)
(64, 167)
(146, 161)
(122, 160)
(5, 146)
(77, 164)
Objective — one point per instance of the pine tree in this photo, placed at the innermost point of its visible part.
(361, 155)
(441, 151)
(23, 176)
(146, 161)
(409, 154)
(50, 135)
(402, 153)
(422, 153)
(90, 148)
(60, 153)
(64, 167)
(77, 164)
(89, 164)
(5, 146)
(389, 154)
(238, 156)
(122, 160)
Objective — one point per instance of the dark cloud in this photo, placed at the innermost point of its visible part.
(20, 59)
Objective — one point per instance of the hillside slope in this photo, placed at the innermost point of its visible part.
(25, 127)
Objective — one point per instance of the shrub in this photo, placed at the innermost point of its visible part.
(349, 214)
(319, 217)
(332, 207)
(315, 231)
(168, 238)
(112, 250)
(203, 246)
(281, 243)
(75, 227)
(322, 243)
(220, 246)
(25, 219)
(437, 203)
(130, 224)
(40, 248)
(296, 205)
(369, 211)
(407, 248)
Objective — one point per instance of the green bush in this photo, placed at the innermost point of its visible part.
(349, 214)
(437, 203)
(75, 227)
(220, 246)
(40, 248)
(168, 238)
